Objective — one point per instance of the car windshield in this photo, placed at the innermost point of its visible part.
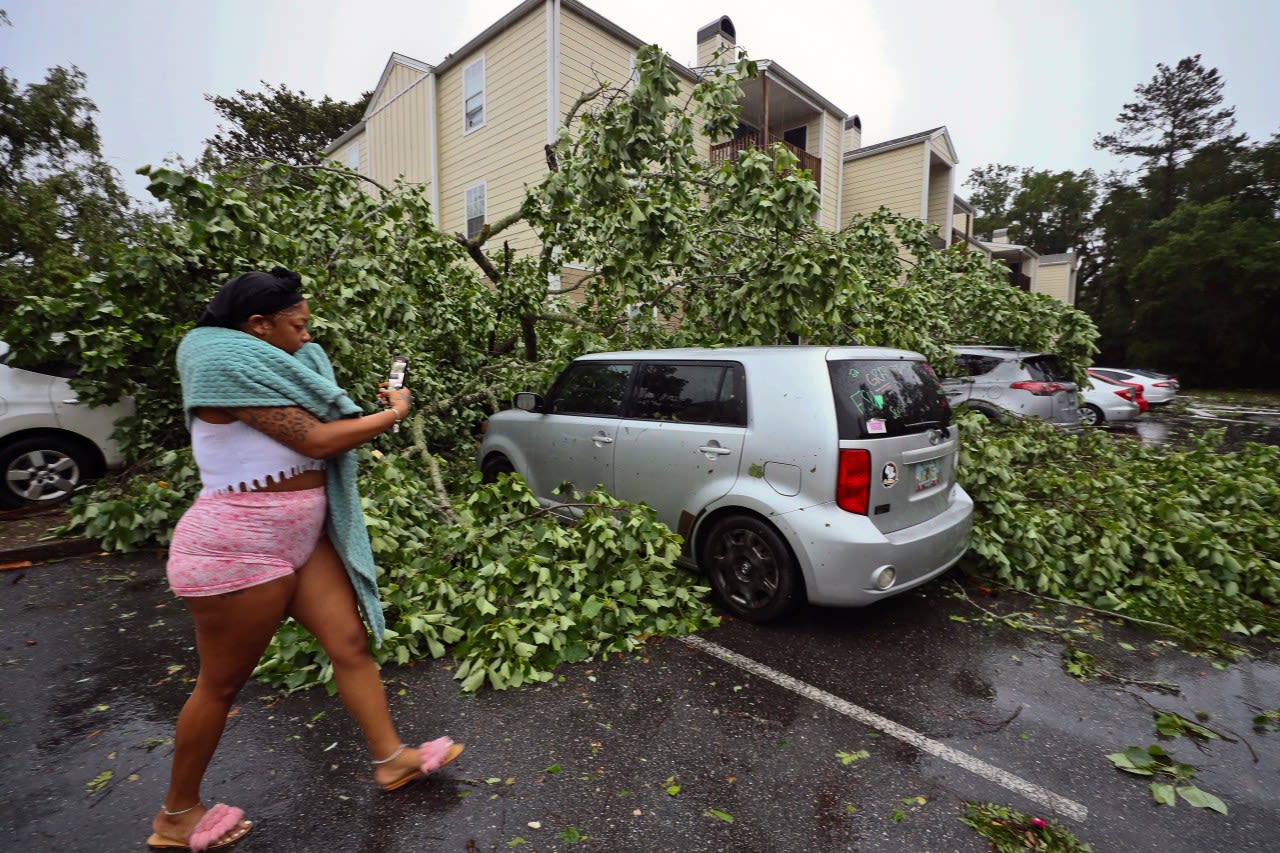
(886, 397)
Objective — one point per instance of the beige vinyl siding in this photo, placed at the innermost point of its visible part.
(940, 196)
(832, 130)
(938, 145)
(891, 179)
(507, 152)
(399, 138)
(588, 57)
(361, 146)
(399, 79)
(1052, 280)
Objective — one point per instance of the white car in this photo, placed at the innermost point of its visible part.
(1157, 391)
(50, 442)
(1103, 402)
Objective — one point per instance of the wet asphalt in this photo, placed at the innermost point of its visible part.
(672, 748)
(95, 657)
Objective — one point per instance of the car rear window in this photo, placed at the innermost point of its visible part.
(1045, 368)
(877, 398)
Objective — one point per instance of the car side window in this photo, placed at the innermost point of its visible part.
(591, 388)
(690, 393)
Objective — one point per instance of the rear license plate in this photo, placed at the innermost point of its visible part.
(928, 474)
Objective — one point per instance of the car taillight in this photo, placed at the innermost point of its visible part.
(1163, 384)
(853, 482)
(1040, 389)
(1126, 393)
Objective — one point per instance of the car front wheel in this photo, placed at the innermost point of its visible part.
(495, 465)
(1091, 415)
(751, 569)
(41, 471)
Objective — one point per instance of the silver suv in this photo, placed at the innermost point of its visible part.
(1000, 380)
(793, 473)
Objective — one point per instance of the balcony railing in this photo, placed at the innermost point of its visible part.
(756, 139)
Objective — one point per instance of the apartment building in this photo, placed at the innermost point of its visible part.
(474, 126)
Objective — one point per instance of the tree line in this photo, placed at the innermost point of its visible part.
(1179, 254)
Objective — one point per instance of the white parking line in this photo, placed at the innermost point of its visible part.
(1017, 784)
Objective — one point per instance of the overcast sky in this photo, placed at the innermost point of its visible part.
(1027, 83)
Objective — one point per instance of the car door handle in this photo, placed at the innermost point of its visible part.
(602, 439)
(714, 451)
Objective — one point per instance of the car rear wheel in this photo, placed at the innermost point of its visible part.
(495, 465)
(1091, 415)
(751, 569)
(42, 471)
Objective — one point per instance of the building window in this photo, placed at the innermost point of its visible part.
(473, 96)
(353, 156)
(475, 210)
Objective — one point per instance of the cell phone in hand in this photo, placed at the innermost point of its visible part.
(398, 373)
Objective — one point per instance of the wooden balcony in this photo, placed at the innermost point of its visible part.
(756, 139)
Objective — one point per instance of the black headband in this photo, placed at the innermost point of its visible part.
(252, 293)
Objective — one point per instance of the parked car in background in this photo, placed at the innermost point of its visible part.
(1162, 377)
(1158, 392)
(1006, 380)
(1135, 387)
(791, 472)
(50, 442)
(1103, 401)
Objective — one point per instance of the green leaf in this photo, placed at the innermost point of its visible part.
(724, 816)
(1201, 799)
(1162, 793)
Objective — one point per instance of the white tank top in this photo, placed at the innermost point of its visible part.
(236, 457)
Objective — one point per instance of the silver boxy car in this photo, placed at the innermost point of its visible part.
(793, 473)
(1000, 380)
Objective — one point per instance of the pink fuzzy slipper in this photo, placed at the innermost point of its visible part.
(432, 755)
(214, 830)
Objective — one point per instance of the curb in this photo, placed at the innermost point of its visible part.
(42, 551)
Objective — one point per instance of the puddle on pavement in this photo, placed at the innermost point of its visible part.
(1240, 424)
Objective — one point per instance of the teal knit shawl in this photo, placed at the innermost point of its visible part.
(226, 368)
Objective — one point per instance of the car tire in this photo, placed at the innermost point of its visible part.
(751, 569)
(991, 413)
(494, 465)
(1091, 415)
(42, 471)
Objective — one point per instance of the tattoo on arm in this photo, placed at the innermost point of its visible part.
(288, 425)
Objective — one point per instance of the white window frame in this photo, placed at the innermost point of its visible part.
(468, 199)
(467, 125)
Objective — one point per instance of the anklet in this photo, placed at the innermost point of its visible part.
(392, 757)
(180, 811)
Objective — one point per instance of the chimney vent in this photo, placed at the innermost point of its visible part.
(717, 37)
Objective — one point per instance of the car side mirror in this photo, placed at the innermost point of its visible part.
(527, 401)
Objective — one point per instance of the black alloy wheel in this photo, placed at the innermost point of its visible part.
(751, 569)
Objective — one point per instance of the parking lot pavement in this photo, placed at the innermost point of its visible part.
(745, 739)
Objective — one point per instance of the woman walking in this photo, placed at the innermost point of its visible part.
(277, 531)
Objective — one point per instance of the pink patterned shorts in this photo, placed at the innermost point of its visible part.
(229, 542)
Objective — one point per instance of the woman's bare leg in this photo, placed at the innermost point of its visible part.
(232, 631)
(325, 604)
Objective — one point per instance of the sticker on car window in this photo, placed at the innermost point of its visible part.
(889, 475)
(876, 426)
